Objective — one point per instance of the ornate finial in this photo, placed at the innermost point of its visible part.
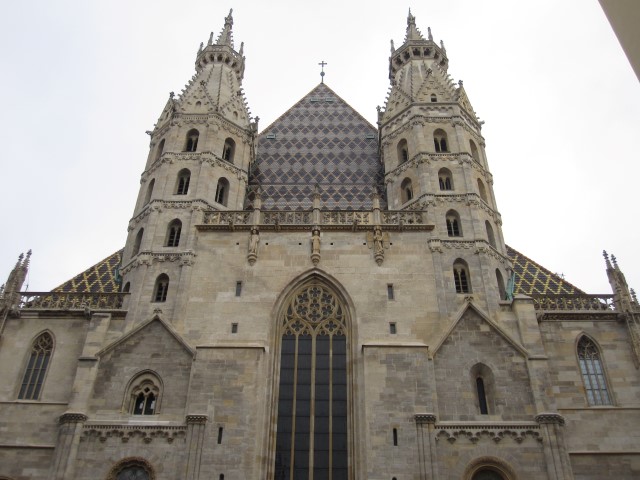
(614, 260)
(171, 94)
(606, 258)
(442, 46)
(226, 36)
(241, 48)
(410, 18)
(429, 32)
(633, 296)
(322, 64)
(393, 48)
(201, 47)
(460, 83)
(210, 42)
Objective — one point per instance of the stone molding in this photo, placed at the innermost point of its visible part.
(157, 205)
(147, 433)
(186, 258)
(422, 418)
(209, 158)
(72, 418)
(495, 432)
(197, 419)
(547, 418)
(425, 200)
(480, 247)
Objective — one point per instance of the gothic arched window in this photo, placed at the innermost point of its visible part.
(147, 197)
(39, 359)
(403, 151)
(161, 288)
(406, 190)
(160, 150)
(502, 291)
(483, 384)
(173, 233)
(143, 394)
(440, 141)
(182, 185)
(454, 227)
(312, 402)
(434, 98)
(222, 191)
(474, 151)
(491, 238)
(445, 179)
(593, 375)
(482, 191)
(132, 469)
(137, 242)
(229, 150)
(461, 276)
(191, 142)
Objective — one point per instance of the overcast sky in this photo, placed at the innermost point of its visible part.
(83, 80)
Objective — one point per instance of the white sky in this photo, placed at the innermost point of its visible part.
(83, 80)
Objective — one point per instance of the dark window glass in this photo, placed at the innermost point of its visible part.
(482, 398)
(36, 370)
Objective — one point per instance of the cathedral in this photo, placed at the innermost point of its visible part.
(322, 299)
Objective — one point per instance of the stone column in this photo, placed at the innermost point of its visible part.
(555, 450)
(427, 456)
(69, 431)
(195, 439)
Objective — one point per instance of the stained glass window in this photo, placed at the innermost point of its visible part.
(311, 440)
(593, 375)
(36, 367)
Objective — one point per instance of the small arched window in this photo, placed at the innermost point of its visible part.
(440, 141)
(454, 226)
(474, 151)
(445, 179)
(161, 288)
(143, 394)
(501, 290)
(39, 359)
(222, 191)
(461, 276)
(159, 150)
(482, 191)
(173, 233)
(403, 151)
(229, 150)
(434, 98)
(483, 384)
(491, 238)
(137, 242)
(406, 190)
(182, 184)
(593, 375)
(191, 142)
(147, 196)
(132, 469)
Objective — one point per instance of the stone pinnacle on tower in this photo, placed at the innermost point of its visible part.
(226, 36)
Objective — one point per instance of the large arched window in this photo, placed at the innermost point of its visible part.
(161, 288)
(445, 179)
(222, 191)
(440, 141)
(403, 151)
(173, 233)
(229, 150)
(461, 276)
(39, 359)
(454, 226)
(191, 142)
(406, 190)
(133, 468)
(593, 375)
(182, 183)
(143, 394)
(137, 242)
(312, 402)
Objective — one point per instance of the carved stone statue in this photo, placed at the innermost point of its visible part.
(378, 241)
(315, 246)
(254, 241)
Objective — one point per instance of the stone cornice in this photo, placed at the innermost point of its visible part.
(480, 246)
(147, 433)
(72, 418)
(404, 118)
(196, 419)
(429, 199)
(157, 205)
(185, 258)
(209, 158)
(422, 418)
(553, 418)
(487, 431)
(427, 157)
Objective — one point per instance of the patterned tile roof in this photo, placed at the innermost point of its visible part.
(531, 277)
(100, 278)
(322, 141)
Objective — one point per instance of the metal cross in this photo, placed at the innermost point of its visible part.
(322, 64)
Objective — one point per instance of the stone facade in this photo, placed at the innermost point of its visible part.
(273, 323)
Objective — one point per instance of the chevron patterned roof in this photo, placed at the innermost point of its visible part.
(531, 277)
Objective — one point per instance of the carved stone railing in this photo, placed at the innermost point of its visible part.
(71, 301)
(324, 219)
(574, 303)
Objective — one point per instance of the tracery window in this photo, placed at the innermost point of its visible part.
(222, 191)
(161, 288)
(461, 276)
(440, 141)
(445, 179)
(406, 190)
(229, 150)
(403, 151)
(143, 394)
(41, 350)
(312, 403)
(593, 375)
(454, 228)
(184, 178)
(173, 233)
(137, 242)
(191, 143)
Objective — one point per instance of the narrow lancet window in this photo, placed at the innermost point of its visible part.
(593, 375)
(41, 350)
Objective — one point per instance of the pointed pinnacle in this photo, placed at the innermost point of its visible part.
(210, 42)
(614, 260)
(430, 36)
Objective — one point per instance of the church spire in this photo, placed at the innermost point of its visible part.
(226, 36)
(412, 30)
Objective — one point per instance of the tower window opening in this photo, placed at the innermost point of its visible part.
(238, 288)
(222, 191)
(453, 224)
(184, 178)
(161, 289)
(440, 141)
(501, 290)
(147, 197)
(160, 150)
(220, 430)
(491, 238)
(126, 288)
(390, 292)
(482, 398)
(173, 233)
(445, 179)
(395, 437)
(234, 328)
(229, 149)
(474, 151)
(482, 191)
(461, 277)
(403, 151)
(137, 242)
(392, 328)
(434, 98)
(406, 189)
(191, 143)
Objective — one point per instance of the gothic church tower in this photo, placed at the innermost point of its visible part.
(434, 158)
(200, 152)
